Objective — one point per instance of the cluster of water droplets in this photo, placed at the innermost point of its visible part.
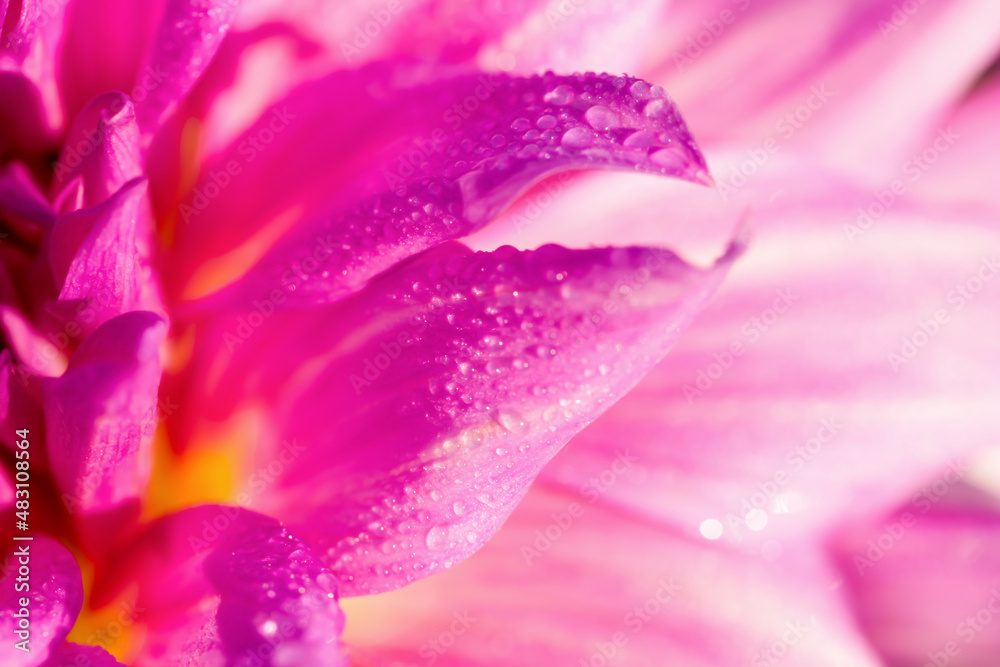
(500, 138)
(288, 594)
(515, 360)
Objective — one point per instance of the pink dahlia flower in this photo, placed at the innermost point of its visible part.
(301, 300)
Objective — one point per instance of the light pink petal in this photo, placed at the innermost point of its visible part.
(841, 61)
(958, 166)
(55, 596)
(226, 586)
(453, 155)
(925, 580)
(95, 259)
(455, 377)
(102, 149)
(100, 416)
(186, 39)
(842, 361)
(566, 581)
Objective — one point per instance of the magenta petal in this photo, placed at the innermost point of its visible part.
(184, 44)
(22, 204)
(100, 416)
(452, 154)
(436, 395)
(95, 258)
(925, 580)
(80, 655)
(103, 48)
(55, 598)
(33, 351)
(102, 148)
(20, 406)
(224, 585)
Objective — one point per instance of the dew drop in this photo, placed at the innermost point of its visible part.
(436, 537)
(545, 122)
(577, 137)
(640, 139)
(639, 90)
(560, 95)
(602, 118)
(655, 108)
(521, 125)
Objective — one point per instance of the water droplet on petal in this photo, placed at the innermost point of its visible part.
(639, 90)
(545, 122)
(578, 137)
(560, 95)
(602, 118)
(521, 125)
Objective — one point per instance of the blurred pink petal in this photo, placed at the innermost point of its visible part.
(849, 74)
(184, 43)
(833, 370)
(30, 35)
(35, 353)
(925, 580)
(526, 35)
(569, 581)
(104, 47)
(963, 174)
(22, 204)
(20, 405)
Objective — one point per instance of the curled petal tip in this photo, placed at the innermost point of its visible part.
(702, 176)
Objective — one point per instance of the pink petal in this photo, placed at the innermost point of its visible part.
(424, 191)
(30, 114)
(95, 259)
(958, 170)
(568, 581)
(223, 585)
(526, 35)
(20, 405)
(455, 377)
(102, 148)
(842, 60)
(104, 47)
(799, 395)
(72, 655)
(22, 205)
(924, 580)
(33, 352)
(184, 44)
(55, 596)
(100, 416)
